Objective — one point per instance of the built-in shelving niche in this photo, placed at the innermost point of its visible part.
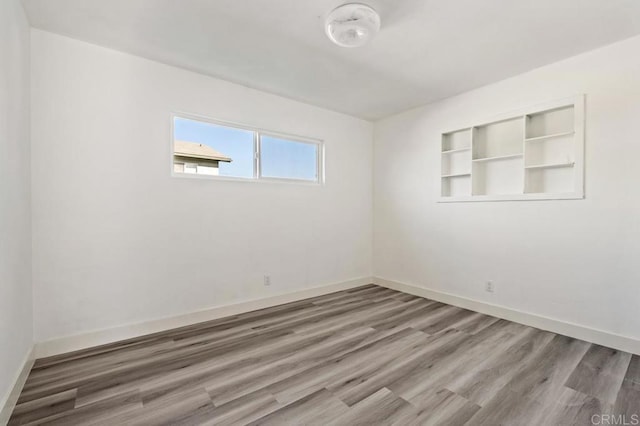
(534, 154)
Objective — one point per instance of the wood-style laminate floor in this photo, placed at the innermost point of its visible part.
(364, 356)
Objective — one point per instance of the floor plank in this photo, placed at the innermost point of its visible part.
(441, 407)
(600, 373)
(319, 408)
(628, 399)
(381, 407)
(536, 387)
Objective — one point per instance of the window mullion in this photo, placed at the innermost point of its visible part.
(256, 155)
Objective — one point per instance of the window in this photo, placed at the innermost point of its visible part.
(208, 148)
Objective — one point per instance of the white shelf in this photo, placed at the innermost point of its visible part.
(456, 175)
(533, 154)
(499, 157)
(453, 151)
(550, 166)
(553, 136)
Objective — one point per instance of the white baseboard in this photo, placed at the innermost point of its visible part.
(9, 402)
(600, 337)
(101, 337)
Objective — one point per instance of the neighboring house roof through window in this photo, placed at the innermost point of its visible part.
(198, 150)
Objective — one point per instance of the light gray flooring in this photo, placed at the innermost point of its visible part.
(360, 357)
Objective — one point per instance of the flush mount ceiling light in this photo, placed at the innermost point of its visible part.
(352, 25)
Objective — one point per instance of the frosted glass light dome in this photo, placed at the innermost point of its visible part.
(352, 25)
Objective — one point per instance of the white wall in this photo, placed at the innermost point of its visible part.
(576, 261)
(16, 325)
(117, 242)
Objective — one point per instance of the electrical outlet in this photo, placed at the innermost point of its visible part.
(267, 280)
(489, 287)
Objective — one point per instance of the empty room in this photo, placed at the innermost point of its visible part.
(316, 212)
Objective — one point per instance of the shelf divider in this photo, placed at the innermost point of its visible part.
(452, 151)
(456, 175)
(550, 165)
(499, 157)
(545, 137)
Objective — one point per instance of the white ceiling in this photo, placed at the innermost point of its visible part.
(426, 50)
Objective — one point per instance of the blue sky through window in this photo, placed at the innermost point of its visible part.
(288, 159)
(280, 158)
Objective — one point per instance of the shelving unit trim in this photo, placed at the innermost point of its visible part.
(510, 197)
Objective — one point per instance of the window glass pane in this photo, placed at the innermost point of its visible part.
(281, 158)
(211, 149)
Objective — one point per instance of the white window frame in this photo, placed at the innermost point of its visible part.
(257, 141)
